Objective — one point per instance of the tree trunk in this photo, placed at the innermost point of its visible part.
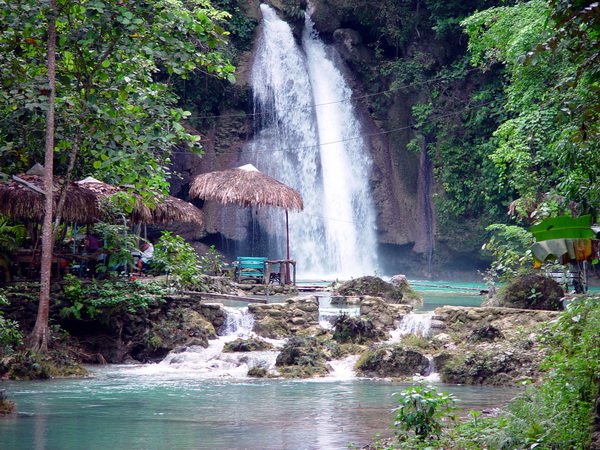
(38, 339)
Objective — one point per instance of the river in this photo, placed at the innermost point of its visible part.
(126, 407)
(210, 405)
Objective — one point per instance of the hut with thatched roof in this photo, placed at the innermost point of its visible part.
(245, 186)
(167, 210)
(22, 198)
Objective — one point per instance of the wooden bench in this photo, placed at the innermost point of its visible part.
(250, 268)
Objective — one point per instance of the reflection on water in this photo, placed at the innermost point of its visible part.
(126, 407)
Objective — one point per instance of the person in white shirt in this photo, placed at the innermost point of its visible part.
(147, 253)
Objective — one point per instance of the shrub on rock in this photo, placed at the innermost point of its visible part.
(302, 357)
(531, 291)
(355, 330)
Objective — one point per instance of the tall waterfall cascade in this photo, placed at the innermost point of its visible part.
(308, 136)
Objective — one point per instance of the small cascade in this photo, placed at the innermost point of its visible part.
(343, 369)
(328, 312)
(239, 322)
(212, 362)
(418, 324)
(433, 375)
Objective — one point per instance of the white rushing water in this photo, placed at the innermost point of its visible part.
(308, 136)
(418, 324)
(212, 362)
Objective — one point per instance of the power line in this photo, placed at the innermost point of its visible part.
(362, 136)
(361, 97)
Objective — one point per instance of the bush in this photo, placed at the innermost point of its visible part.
(177, 259)
(559, 412)
(10, 336)
(103, 299)
(422, 409)
(355, 330)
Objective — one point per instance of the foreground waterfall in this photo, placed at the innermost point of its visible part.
(309, 137)
(418, 324)
(211, 362)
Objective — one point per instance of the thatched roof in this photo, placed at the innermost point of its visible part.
(21, 202)
(168, 209)
(246, 186)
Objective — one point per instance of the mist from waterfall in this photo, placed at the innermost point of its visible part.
(309, 137)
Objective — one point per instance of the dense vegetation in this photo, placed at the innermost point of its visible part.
(504, 100)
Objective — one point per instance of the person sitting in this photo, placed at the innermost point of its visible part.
(92, 247)
(147, 253)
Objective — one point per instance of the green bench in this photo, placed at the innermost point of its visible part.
(250, 268)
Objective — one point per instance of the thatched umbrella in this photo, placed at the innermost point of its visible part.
(168, 209)
(247, 186)
(22, 198)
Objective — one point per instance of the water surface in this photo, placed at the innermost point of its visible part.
(131, 407)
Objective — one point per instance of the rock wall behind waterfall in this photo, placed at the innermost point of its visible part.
(401, 181)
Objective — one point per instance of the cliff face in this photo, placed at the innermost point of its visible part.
(401, 179)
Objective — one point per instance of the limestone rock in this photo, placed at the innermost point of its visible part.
(302, 357)
(382, 314)
(532, 291)
(277, 320)
(247, 345)
(393, 361)
(376, 287)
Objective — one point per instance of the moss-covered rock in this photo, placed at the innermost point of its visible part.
(531, 291)
(178, 327)
(384, 315)
(376, 287)
(247, 345)
(392, 361)
(494, 365)
(356, 330)
(298, 315)
(27, 365)
(302, 357)
(258, 372)
(6, 406)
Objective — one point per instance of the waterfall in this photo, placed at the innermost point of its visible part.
(239, 322)
(212, 362)
(417, 324)
(309, 137)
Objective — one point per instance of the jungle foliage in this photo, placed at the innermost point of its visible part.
(114, 111)
(504, 100)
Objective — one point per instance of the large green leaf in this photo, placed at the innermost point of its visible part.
(563, 227)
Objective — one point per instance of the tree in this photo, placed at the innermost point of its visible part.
(549, 140)
(114, 119)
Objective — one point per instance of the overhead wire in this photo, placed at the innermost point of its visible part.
(362, 136)
(360, 97)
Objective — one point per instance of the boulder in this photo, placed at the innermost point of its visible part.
(302, 357)
(247, 345)
(392, 361)
(383, 315)
(356, 330)
(376, 287)
(277, 320)
(531, 291)
(487, 333)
